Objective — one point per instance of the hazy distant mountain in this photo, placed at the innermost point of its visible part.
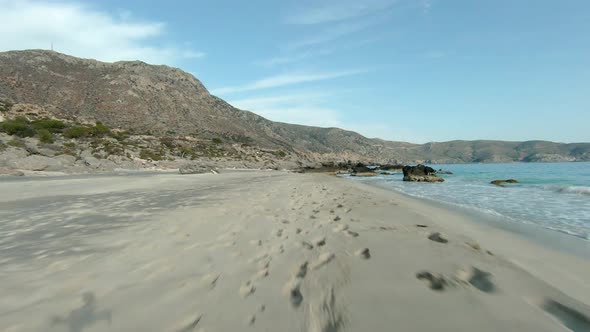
(168, 101)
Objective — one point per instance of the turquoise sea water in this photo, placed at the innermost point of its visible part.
(555, 196)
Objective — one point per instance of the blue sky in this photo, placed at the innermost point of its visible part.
(410, 70)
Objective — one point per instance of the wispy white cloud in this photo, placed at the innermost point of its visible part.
(311, 109)
(426, 5)
(298, 108)
(336, 10)
(294, 57)
(329, 34)
(286, 79)
(85, 31)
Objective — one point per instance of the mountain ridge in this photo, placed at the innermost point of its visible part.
(166, 101)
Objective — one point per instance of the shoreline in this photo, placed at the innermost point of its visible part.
(264, 250)
(544, 236)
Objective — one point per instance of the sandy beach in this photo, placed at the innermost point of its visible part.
(268, 251)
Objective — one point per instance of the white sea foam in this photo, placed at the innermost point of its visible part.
(581, 190)
(554, 196)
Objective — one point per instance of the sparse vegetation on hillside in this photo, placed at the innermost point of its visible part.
(45, 136)
(19, 126)
(17, 143)
(76, 132)
(5, 106)
(150, 154)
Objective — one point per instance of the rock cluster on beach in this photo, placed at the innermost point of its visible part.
(421, 173)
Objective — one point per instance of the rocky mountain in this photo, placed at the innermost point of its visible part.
(164, 101)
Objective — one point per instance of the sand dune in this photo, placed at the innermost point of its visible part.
(267, 251)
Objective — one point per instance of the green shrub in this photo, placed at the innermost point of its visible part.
(100, 129)
(150, 154)
(280, 153)
(17, 143)
(217, 140)
(2, 146)
(70, 145)
(53, 126)
(45, 136)
(18, 126)
(77, 132)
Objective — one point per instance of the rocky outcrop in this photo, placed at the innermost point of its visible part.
(420, 173)
(502, 183)
(442, 171)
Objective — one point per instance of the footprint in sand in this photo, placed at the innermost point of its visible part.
(189, 324)
(477, 278)
(435, 281)
(340, 228)
(350, 233)
(261, 274)
(569, 317)
(306, 245)
(298, 230)
(250, 320)
(210, 280)
(279, 233)
(363, 253)
(337, 218)
(246, 289)
(293, 291)
(437, 237)
(320, 241)
(323, 259)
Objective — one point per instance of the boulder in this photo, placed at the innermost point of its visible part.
(442, 171)
(65, 159)
(420, 173)
(502, 183)
(34, 163)
(191, 168)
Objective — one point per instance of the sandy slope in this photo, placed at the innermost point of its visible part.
(267, 251)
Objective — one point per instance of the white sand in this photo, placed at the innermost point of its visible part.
(267, 251)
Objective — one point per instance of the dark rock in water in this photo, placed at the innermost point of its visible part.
(421, 173)
(196, 169)
(391, 167)
(361, 169)
(500, 183)
(442, 171)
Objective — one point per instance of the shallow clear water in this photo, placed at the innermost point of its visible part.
(551, 195)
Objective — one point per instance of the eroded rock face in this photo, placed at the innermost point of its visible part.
(421, 173)
(34, 163)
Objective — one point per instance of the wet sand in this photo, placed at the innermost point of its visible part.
(268, 251)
